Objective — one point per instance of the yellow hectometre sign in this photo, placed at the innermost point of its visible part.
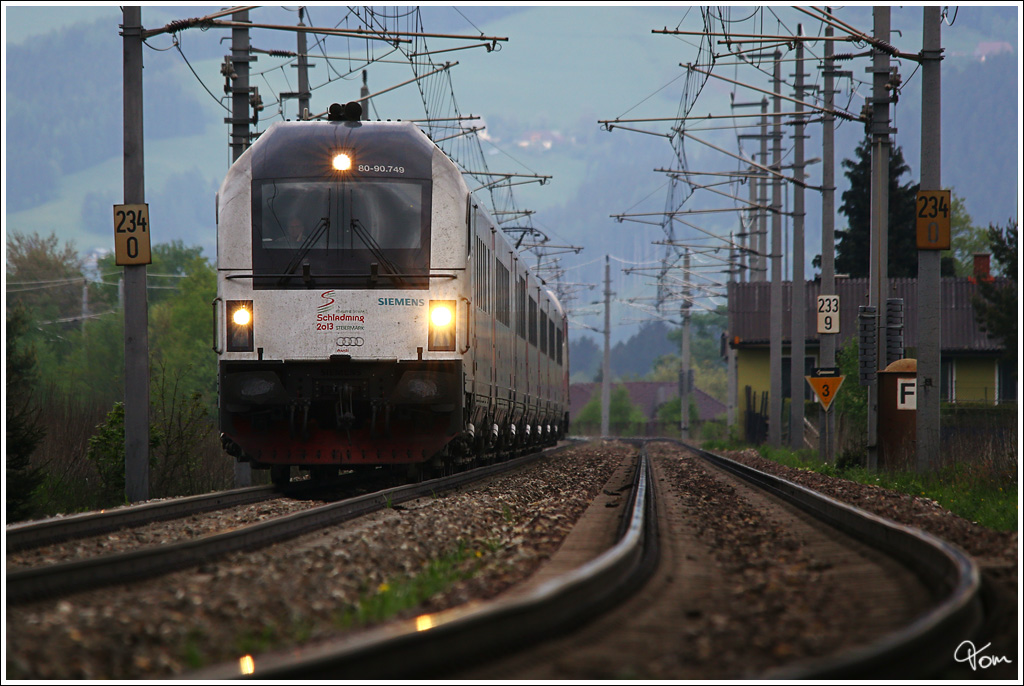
(934, 215)
(131, 234)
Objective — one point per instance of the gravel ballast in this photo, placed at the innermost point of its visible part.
(293, 593)
(300, 591)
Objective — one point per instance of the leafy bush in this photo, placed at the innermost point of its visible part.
(106, 452)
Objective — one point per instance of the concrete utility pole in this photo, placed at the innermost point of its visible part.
(606, 366)
(879, 267)
(775, 295)
(303, 67)
(827, 350)
(752, 261)
(798, 305)
(730, 352)
(762, 217)
(364, 96)
(136, 311)
(684, 354)
(746, 260)
(929, 281)
(240, 59)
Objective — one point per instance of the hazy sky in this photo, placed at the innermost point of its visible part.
(590, 63)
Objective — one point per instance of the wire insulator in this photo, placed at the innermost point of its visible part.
(885, 47)
(182, 24)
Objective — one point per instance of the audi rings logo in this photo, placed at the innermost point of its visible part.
(349, 341)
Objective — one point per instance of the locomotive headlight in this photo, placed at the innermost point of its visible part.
(239, 326)
(441, 315)
(241, 317)
(341, 162)
(441, 333)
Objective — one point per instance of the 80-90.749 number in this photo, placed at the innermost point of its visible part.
(381, 168)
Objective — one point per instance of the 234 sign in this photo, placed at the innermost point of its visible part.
(131, 234)
(934, 219)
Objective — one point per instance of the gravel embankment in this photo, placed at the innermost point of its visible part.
(996, 552)
(293, 593)
(296, 592)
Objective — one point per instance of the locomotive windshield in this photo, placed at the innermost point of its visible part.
(355, 233)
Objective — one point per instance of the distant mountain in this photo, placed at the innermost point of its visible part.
(541, 95)
(634, 357)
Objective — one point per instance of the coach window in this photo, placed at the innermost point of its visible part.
(543, 333)
(501, 294)
(521, 307)
(558, 350)
(532, 323)
(551, 338)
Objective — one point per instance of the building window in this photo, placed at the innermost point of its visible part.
(1007, 381)
(947, 390)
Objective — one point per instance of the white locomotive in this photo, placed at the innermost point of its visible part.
(369, 312)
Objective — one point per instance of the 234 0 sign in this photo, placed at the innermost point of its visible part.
(934, 219)
(131, 234)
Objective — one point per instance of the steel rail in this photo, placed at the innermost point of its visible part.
(428, 646)
(33, 583)
(461, 636)
(27, 535)
(927, 644)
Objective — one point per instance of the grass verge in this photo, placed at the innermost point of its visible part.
(983, 491)
(396, 595)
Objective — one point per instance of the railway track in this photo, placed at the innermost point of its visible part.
(619, 613)
(29, 583)
(36, 534)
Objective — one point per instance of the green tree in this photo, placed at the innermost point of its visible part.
(181, 326)
(171, 262)
(966, 239)
(995, 305)
(709, 369)
(44, 277)
(584, 357)
(853, 244)
(668, 413)
(24, 430)
(709, 376)
(623, 415)
(850, 405)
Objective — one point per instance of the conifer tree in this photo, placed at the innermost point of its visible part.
(853, 245)
(995, 306)
(24, 429)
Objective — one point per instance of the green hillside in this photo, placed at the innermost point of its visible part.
(540, 95)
